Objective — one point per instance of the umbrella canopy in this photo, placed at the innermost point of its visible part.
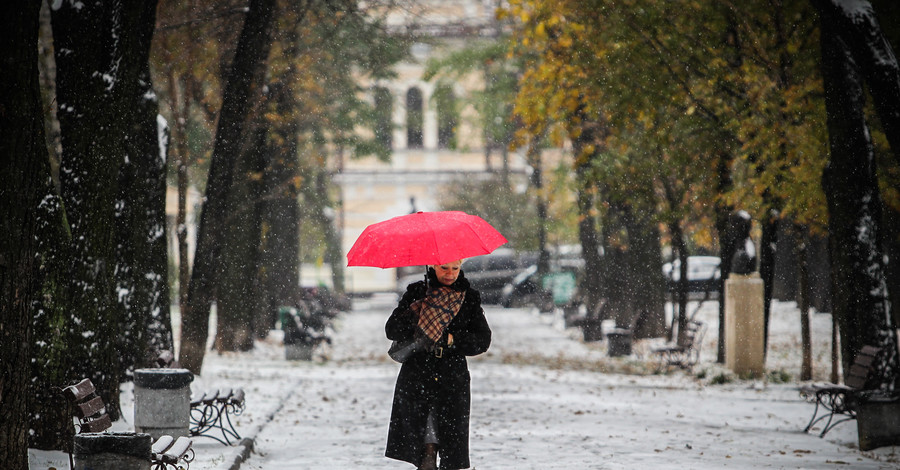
(424, 238)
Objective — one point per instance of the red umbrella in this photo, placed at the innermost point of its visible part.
(424, 238)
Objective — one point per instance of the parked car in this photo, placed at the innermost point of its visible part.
(556, 288)
(703, 274)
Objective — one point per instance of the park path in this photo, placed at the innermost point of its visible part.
(538, 403)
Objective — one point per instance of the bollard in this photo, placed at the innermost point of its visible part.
(878, 422)
(619, 342)
(744, 329)
(162, 402)
(112, 451)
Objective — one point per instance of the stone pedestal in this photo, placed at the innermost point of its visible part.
(744, 325)
(162, 401)
(878, 423)
(112, 451)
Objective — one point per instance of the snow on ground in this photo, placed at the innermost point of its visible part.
(541, 399)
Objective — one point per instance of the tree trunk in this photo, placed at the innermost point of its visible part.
(240, 88)
(142, 258)
(854, 203)
(802, 261)
(593, 133)
(877, 63)
(726, 245)
(333, 250)
(767, 243)
(238, 300)
(647, 292)
(29, 217)
(537, 185)
(281, 212)
(681, 289)
(99, 69)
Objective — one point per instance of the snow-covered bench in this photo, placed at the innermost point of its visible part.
(684, 354)
(841, 399)
(90, 411)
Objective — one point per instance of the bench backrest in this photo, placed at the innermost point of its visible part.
(862, 365)
(88, 407)
(693, 334)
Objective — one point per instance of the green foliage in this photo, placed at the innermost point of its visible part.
(493, 103)
(494, 201)
(679, 84)
(721, 378)
(779, 376)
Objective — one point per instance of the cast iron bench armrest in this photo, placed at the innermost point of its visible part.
(211, 413)
(841, 399)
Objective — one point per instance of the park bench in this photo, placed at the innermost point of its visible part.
(90, 411)
(211, 410)
(685, 353)
(842, 399)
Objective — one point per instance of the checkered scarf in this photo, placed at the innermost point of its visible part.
(437, 310)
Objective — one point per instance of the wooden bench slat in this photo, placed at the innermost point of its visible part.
(224, 395)
(210, 397)
(238, 397)
(161, 444)
(79, 391)
(174, 453)
(89, 408)
(100, 424)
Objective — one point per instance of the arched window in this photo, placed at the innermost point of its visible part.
(447, 116)
(384, 110)
(414, 118)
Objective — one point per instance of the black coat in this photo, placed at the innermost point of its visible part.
(426, 380)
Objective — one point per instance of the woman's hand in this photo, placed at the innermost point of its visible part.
(449, 340)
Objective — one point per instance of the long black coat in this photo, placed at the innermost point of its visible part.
(426, 380)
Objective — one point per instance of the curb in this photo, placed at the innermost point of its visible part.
(241, 452)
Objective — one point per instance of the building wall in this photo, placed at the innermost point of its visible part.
(371, 190)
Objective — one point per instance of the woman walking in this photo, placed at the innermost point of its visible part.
(430, 414)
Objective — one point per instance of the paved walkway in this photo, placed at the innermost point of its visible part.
(539, 402)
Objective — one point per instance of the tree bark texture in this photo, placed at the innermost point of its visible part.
(240, 87)
(239, 299)
(26, 192)
(281, 211)
(724, 184)
(93, 90)
(646, 284)
(873, 57)
(854, 204)
(594, 134)
(802, 256)
(142, 257)
(767, 253)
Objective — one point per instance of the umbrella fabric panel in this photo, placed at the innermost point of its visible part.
(424, 238)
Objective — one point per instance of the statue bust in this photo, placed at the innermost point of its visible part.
(744, 259)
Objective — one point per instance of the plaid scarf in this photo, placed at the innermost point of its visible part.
(437, 310)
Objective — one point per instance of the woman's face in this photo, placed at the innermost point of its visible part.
(448, 272)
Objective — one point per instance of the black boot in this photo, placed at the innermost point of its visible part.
(429, 460)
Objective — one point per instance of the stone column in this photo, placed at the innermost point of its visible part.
(112, 451)
(744, 327)
(162, 401)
